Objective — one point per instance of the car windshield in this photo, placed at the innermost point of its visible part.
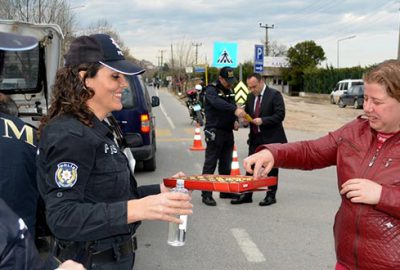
(22, 72)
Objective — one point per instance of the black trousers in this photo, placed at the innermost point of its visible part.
(218, 152)
(254, 142)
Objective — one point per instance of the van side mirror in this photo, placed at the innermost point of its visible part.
(155, 101)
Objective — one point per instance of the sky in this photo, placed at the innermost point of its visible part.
(148, 27)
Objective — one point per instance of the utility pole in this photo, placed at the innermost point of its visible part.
(197, 47)
(27, 10)
(266, 36)
(40, 12)
(398, 45)
(161, 63)
(158, 61)
(162, 53)
(172, 57)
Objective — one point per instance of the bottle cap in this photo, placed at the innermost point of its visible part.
(180, 182)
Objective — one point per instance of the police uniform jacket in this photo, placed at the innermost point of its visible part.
(85, 181)
(17, 168)
(17, 248)
(220, 107)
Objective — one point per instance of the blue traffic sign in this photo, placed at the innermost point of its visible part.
(259, 68)
(225, 54)
(199, 69)
(258, 58)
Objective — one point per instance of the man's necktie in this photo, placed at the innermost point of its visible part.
(257, 113)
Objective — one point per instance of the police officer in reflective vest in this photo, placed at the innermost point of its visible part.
(221, 119)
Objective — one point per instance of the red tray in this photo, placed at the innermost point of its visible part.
(222, 183)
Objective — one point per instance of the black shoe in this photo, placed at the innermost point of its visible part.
(242, 199)
(209, 201)
(224, 195)
(268, 200)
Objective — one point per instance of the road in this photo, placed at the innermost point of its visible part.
(295, 233)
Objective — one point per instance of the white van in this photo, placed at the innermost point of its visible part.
(27, 76)
(342, 86)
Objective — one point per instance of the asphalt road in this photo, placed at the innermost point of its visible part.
(295, 233)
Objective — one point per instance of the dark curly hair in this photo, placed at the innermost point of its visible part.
(70, 94)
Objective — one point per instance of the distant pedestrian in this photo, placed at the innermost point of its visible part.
(267, 108)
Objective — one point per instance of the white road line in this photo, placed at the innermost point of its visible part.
(170, 122)
(248, 247)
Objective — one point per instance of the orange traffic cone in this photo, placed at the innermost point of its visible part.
(197, 144)
(235, 170)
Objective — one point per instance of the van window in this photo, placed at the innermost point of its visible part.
(337, 87)
(129, 98)
(22, 72)
(357, 83)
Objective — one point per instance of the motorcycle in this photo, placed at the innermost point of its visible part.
(194, 105)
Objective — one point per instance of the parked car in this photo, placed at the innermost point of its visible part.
(342, 86)
(137, 121)
(353, 97)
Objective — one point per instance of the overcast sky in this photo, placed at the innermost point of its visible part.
(148, 26)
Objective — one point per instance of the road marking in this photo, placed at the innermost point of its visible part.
(189, 131)
(248, 247)
(166, 116)
(170, 122)
(174, 139)
(163, 132)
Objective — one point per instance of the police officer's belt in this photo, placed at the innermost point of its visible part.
(115, 253)
(89, 256)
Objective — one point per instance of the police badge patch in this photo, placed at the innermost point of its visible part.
(66, 174)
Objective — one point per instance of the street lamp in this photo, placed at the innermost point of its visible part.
(337, 50)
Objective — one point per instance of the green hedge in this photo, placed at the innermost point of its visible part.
(323, 80)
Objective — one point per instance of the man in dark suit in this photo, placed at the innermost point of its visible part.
(267, 108)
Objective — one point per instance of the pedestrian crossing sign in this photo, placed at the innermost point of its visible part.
(225, 54)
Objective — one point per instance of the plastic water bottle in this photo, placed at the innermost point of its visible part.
(177, 232)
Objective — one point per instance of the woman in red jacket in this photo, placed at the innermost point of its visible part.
(366, 153)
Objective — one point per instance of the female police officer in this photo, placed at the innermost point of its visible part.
(93, 203)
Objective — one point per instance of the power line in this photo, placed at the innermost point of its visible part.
(266, 36)
(196, 52)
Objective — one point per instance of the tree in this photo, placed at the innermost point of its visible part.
(182, 57)
(304, 55)
(42, 11)
(276, 49)
(102, 26)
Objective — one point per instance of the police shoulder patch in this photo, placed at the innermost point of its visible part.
(66, 174)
